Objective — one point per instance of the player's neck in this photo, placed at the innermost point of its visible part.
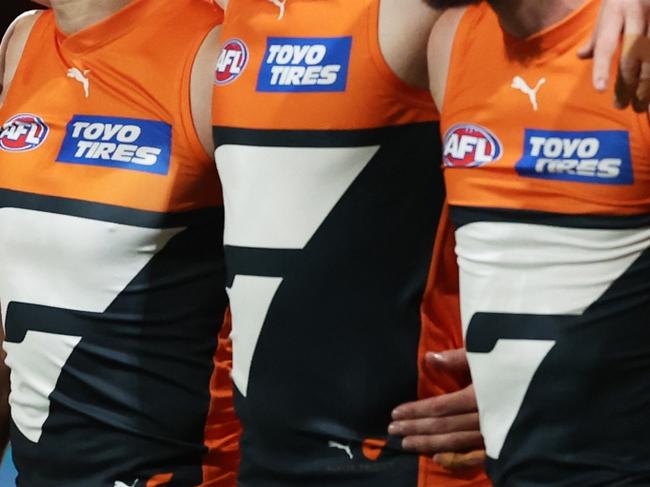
(75, 15)
(523, 18)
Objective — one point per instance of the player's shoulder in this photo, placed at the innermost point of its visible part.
(404, 54)
(13, 44)
(439, 51)
(20, 29)
(201, 87)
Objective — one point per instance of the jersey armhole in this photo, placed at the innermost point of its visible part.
(7, 41)
(456, 30)
(186, 110)
(404, 91)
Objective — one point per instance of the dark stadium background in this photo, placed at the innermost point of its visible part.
(9, 10)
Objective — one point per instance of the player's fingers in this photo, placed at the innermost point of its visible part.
(460, 402)
(607, 38)
(642, 52)
(456, 461)
(432, 444)
(451, 360)
(435, 426)
(630, 64)
(587, 50)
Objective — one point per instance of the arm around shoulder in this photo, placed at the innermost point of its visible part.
(441, 42)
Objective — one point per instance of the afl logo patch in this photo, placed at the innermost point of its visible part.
(23, 132)
(232, 61)
(470, 146)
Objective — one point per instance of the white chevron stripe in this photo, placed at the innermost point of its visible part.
(531, 269)
(249, 314)
(64, 262)
(276, 198)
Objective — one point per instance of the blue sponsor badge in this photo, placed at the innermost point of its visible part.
(305, 64)
(597, 157)
(123, 143)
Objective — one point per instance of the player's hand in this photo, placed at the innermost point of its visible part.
(632, 19)
(445, 426)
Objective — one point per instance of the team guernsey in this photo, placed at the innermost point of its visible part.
(332, 190)
(111, 267)
(549, 189)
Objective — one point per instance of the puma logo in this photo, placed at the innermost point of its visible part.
(122, 484)
(77, 75)
(281, 5)
(340, 446)
(518, 83)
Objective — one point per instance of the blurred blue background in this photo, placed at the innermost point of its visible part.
(7, 472)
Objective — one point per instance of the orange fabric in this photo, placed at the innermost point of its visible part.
(364, 104)
(116, 86)
(222, 430)
(160, 480)
(484, 63)
(441, 331)
(372, 448)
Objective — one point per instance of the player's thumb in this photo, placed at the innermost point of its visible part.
(450, 360)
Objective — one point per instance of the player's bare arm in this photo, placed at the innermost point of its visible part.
(404, 27)
(448, 423)
(439, 53)
(11, 48)
(201, 89)
(632, 19)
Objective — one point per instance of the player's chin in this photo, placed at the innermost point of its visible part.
(444, 4)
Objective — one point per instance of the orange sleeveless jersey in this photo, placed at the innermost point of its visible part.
(329, 165)
(549, 188)
(110, 257)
